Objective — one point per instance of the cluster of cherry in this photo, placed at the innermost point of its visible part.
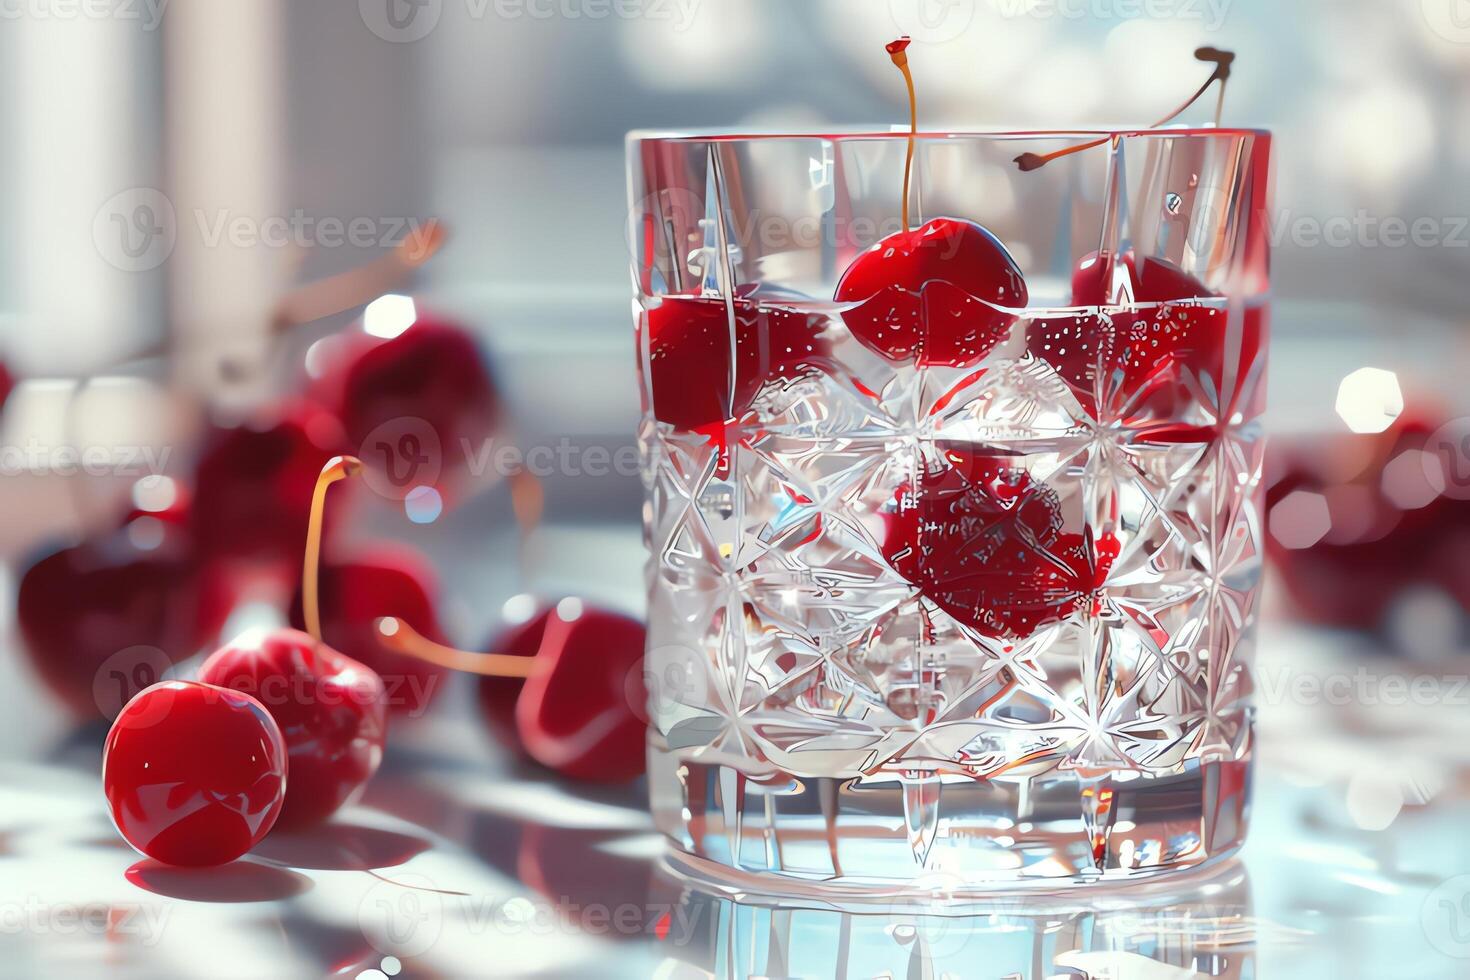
(189, 764)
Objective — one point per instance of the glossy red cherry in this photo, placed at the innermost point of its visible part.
(579, 712)
(1151, 281)
(329, 709)
(194, 774)
(498, 695)
(985, 543)
(1151, 347)
(939, 295)
(387, 390)
(254, 482)
(355, 593)
(103, 619)
(689, 343)
(580, 709)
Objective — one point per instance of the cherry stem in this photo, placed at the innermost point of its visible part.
(1220, 59)
(361, 285)
(898, 52)
(402, 638)
(337, 468)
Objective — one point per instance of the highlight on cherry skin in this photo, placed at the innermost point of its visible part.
(194, 774)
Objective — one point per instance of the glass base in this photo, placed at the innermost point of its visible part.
(941, 834)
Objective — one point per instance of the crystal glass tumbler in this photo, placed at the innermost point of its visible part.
(953, 508)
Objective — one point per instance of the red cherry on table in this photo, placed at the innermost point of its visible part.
(984, 542)
(329, 709)
(1376, 547)
(103, 619)
(939, 295)
(194, 774)
(580, 711)
(498, 695)
(355, 593)
(689, 342)
(412, 405)
(254, 482)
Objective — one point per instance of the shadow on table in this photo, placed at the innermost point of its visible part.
(340, 846)
(238, 881)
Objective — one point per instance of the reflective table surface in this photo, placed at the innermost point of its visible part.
(459, 863)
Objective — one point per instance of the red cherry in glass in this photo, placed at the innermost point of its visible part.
(253, 484)
(355, 593)
(689, 341)
(1135, 355)
(80, 608)
(194, 774)
(939, 295)
(1151, 281)
(7, 384)
(984, 542)
(579, 710)
(934, 295)
(329, 709)
(385, 390)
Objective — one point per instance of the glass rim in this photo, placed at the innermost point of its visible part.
(712, 135)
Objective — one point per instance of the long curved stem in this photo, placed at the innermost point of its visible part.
(402, 638)
(898, 51)
(1220, 59)
(337, 468)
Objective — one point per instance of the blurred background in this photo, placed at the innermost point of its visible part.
(175, 176)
